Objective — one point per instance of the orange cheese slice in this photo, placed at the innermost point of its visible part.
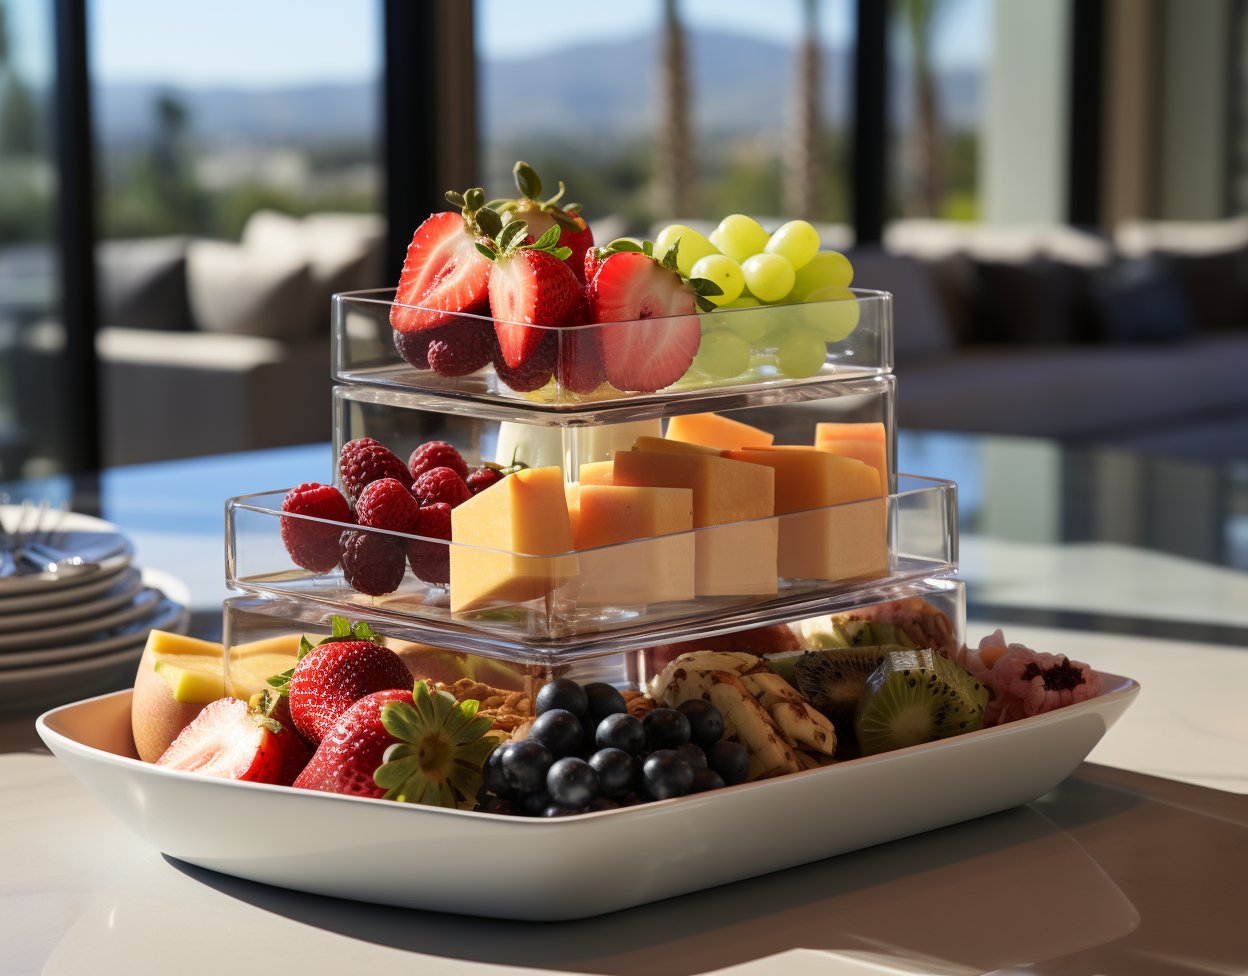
(596, 473)
(661, 445)
(833, 523)
(645, 540)
(513, 542)
(738, 557)
(867, 443)
(715, 431)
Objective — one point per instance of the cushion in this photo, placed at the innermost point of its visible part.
(1038, 302)
(249, 291)
(142, 284)
(1136, 238)
(1216, 286)
(1141, 300)
(919, 325)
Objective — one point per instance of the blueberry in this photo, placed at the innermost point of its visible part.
(730, 760)
(706, 724)
(502, 807)
(492, 772)
(559, 731)
(535, 803)
(554, 810)
(695, 755)
(602, 803)
(604, 700)
(706, 779)
(572, 782)
(621, 731)
(668, 774)
(525, 765)
(562, 693)
(666, 728)
(615, 771)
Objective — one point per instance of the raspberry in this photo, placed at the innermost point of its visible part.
(414, 346)
(461, 348)
(430, 560)
(482, 478)
(364, 461)
(580, 362)
(536, 371)
(436, 454)
(312, 545)
(441, 485)
(372, 563)
(386, 504)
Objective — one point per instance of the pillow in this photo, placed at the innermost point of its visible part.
(1142, 301)
(1038, 302)
(920, 327)
(1216, 285)
(143, 284)
(249, 291)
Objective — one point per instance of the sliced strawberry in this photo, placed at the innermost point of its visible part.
(541, 216)
(531, 290)
(330, 677)
(228, 740)
(443, 273)
(352, 748)
(659, 331)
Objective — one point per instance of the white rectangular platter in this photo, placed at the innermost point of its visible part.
(575, 867)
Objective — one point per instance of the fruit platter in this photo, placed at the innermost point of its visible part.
(615, 569)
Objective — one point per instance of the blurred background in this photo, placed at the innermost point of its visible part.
(1056, 191)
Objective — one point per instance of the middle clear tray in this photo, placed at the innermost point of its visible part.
(608, 592)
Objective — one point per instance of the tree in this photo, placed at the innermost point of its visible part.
(675, 170)
(921, 18)
(804, 151)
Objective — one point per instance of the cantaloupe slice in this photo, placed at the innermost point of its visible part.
(867, 443)
(715, 431)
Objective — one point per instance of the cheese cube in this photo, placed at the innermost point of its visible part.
(716, 431)
(596, 473)
(865, 442)
(513, 541)
(834, 522)
(572, 495)
(649, 544)
(661, 445)
(738, 557)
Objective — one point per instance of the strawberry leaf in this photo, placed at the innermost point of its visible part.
(572, 208)
(486, 250)
(511, 231)
(563, 220)
(455, 199)
(488, 222)
(341, 627)
(669, 258)
(474, 199)
(562, 253)
(364, 632)
(281, 682)
(623, 244)
(704, 304)
(527, 181)
(548, 240)
(704, 286)
(305, 646)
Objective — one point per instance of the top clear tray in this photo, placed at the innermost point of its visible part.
(747, 370)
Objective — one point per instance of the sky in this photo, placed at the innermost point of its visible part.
(272, 43)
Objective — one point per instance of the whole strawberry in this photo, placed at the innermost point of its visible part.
(363, 461)
(331, 676)
(431, 561)
(352, 748)
(531, 290)
(314, 545)
(441, 485)
(372, 563)
(541, 216)
(581, 369)
(387, 504)
(436, 454)
(536, 371)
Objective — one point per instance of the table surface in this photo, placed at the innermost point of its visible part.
(1138, 863)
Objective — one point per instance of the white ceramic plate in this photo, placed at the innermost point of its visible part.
(154, 613)
(29, 603)
(88, 530)
(573, 867)
(125, 587)
(28, 640)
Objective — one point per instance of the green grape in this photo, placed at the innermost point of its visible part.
(827, 269)
(832, 312)
(722, 354)
(739, 236)
(800, 353)
(693, 246)
(768, 276)
(722, 270)
(797, 242)
(742, 301)
(750, 321)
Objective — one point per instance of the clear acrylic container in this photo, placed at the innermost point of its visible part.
(856, 331)
(403, 421)
(925, 606)
(712, 579)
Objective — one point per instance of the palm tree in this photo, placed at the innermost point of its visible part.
(801, 161)
(675, 170)
(921, 17)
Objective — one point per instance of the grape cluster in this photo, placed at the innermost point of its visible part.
(754, 270)
(584, 752)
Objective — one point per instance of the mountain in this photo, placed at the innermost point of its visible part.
(739, 85)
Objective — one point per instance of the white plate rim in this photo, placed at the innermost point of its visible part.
(23, 603)
(125, 587)
(145, 600)
(164, 612)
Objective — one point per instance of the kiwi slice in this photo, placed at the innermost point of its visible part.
(834, 679)
(915, 696)
(830, 632)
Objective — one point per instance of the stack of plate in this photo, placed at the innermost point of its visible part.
(64, 637)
